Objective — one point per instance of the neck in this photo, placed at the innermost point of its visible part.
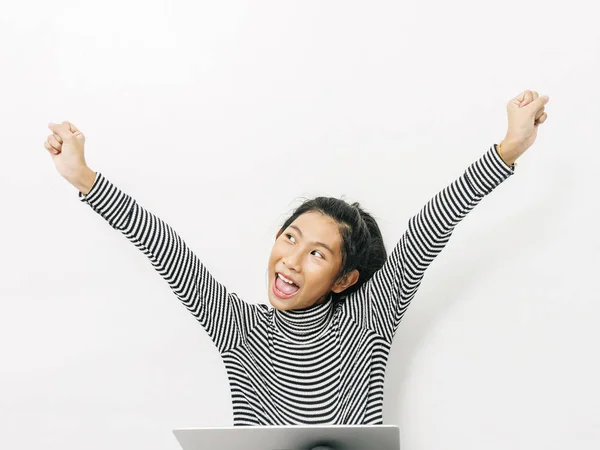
(305, 324)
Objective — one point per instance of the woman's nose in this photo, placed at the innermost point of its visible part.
(292, 261)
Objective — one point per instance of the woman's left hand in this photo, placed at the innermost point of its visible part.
(525, 114)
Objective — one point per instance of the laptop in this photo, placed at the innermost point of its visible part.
(291, 437)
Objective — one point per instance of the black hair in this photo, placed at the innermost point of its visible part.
(362, 245)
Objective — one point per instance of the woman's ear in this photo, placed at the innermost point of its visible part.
(345, 282)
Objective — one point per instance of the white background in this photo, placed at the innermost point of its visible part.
(220, 117)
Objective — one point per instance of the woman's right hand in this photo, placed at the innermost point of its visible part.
(66, 146)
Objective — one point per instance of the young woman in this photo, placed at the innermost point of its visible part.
(318, 356)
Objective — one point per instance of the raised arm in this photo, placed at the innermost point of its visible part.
(381, 302)
(226, 318)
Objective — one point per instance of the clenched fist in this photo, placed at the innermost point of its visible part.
(66, 146)
(525, 113)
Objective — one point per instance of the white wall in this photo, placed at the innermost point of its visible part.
(218, 117)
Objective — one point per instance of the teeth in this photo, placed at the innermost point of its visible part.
(285, 279)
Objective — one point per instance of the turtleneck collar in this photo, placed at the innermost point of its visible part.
(304, 324)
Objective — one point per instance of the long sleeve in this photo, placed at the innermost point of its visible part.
(380, 303)
(226, 318)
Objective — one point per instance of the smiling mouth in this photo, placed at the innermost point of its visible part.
(282, 289)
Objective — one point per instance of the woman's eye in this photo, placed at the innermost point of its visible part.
(293, 239)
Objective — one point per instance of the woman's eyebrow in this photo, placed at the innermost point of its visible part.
(315, 243)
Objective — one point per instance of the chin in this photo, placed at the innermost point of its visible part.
(281, 304)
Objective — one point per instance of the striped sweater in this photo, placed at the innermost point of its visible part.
(321, 365)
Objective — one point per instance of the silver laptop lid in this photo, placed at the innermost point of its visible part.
(293, 437)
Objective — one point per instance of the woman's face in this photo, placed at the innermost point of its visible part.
(308, 253)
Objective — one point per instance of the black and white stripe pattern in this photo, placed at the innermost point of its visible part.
(322, 365)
